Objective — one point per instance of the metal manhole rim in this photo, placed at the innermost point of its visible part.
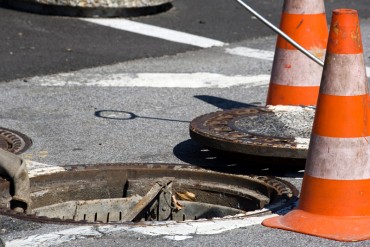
(287, 203)
(203, 132)
(25, 141)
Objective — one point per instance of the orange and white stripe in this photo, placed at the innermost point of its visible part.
(339, 153)
(295, 79)
(335, 196)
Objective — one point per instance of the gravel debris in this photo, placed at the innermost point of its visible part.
(281, 122)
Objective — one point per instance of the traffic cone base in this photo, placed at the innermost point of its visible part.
(332, 227)
(333, 209)
(330, 197)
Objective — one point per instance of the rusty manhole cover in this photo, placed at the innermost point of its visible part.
(86, 8)
(117, 193)
(272, 131)
(13, 141)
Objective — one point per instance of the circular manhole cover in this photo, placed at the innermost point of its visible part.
(86, 8)
(117, 193)
(13, 141)
(272, 131)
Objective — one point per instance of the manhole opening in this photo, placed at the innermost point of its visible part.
(124, 193)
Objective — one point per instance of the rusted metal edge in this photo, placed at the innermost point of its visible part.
(20, 142)
(49, 9)
(283, 187)
(147, 199)
(214, 130)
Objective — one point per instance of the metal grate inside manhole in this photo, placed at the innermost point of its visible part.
(14, 141)
(271, 131)
(116, 193)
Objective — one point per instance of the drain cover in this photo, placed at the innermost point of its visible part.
(273, 131)
(14, 141)
(86, 8)
(116, 193)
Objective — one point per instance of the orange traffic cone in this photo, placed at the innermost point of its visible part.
(335, 196)
(295, 79)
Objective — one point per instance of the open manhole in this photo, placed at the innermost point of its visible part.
(14, 141)
(271, 131)
(86, 8)
(116, 193)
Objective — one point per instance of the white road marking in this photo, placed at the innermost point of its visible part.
(250, 52)
(171, 230)
(182, 37)
(177, 237)
(37, 169)
(157, 32)
(156, 80)
(302, 143)
(260, 54)
(55, 238)
(206, 227)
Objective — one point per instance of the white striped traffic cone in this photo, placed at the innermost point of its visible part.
(335, 196)
(295, 78)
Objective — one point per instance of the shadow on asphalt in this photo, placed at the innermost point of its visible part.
(225, 104)
(126, 115)
(193, 153)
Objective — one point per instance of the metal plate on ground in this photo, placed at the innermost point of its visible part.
(14, 141)
(85, 8)
(271, 131)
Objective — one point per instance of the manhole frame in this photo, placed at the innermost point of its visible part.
(24, 141)
(270, 181)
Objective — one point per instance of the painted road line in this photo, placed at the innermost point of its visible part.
(250, 52)
(174, 231)
(37, 169)
(157, 32)
(260, 54)
(153, 80)
(181, 37)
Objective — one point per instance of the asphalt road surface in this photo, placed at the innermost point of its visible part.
(32, 44)
(59, 74)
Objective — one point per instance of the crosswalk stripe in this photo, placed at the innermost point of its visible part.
(153, 80)
(157, 32)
